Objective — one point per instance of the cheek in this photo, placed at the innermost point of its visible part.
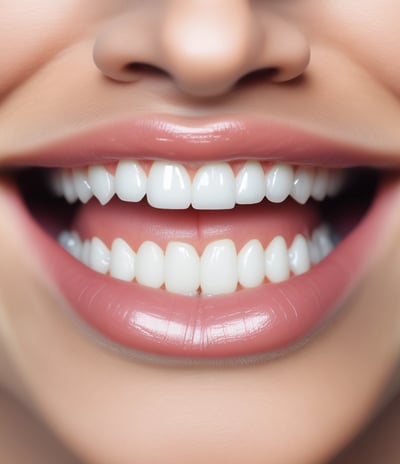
(369, 31)
(31, 32)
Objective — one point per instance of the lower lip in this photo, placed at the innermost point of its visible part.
(264, 320)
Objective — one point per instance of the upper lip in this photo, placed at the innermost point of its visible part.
(195, 140)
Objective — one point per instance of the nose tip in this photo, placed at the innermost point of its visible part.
(207, 50)
(204, 46)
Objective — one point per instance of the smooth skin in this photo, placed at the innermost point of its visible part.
(332, 67)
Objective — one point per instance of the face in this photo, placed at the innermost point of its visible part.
(190, 330)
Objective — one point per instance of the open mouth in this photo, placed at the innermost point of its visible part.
(214, 230)
(202, 259)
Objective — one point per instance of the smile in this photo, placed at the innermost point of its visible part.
(202, 256)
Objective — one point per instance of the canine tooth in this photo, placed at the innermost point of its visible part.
(150, 265)
(85, 252)
(277, 260)
(68, 186)
(218, 268)
(71, 242)
(102, 183)
(214, 187)
(168, 186)
(320, 184)
(122, 264)
(182, 268)
(302, 184)
(299, 257)
(82, 187)
(279, 182)
(130, 181)
(250, 184)
(251, 264)
(99, 256)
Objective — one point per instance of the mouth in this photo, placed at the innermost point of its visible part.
(246, 255)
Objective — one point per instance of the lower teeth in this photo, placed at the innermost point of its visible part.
(219, 270)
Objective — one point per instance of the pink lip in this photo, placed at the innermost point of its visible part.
(150, 137)
(269, 318)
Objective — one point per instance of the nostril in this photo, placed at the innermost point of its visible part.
(144, 69)
(259, 75)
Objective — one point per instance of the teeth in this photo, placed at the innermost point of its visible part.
(102, 183)
(85, 252)
(279, 183)
(71, 242)
(182, 269)
(299, 256)
(214, 186)
(219, 270)
(335, 183)
(122, 264)
(82, 186)
(250, 184)
(150, 265)
(99, 259)
(302, 184)
(251, 264)
(168, 186)
(277, 260)
(320, 185)
(130, 181)
(68, 187)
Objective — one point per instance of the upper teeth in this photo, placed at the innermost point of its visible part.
(168, 185)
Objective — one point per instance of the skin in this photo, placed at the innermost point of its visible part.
(337, 73)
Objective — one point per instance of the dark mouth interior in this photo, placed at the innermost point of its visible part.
(342, 213)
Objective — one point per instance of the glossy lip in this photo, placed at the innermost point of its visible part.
(195, 141)
(267, 319)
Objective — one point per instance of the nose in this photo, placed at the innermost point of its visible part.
(204, 46)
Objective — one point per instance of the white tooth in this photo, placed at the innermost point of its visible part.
(86, 252)
(218, 268)
(250, 184)
(336, 182)
(168, 186)
(68, 186)
(99, 256)
(322, 237)
(277, 260)
(314, 252)
(150, 265)
(56, 183)
(182, 268)
(299, 257)
(279, 182)
(122, 265)
(251, 264)
(102, 183)
(130, 181)
(82, 187)
(320, 184)
(71, 242)
(214, 187)
(302, 184)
